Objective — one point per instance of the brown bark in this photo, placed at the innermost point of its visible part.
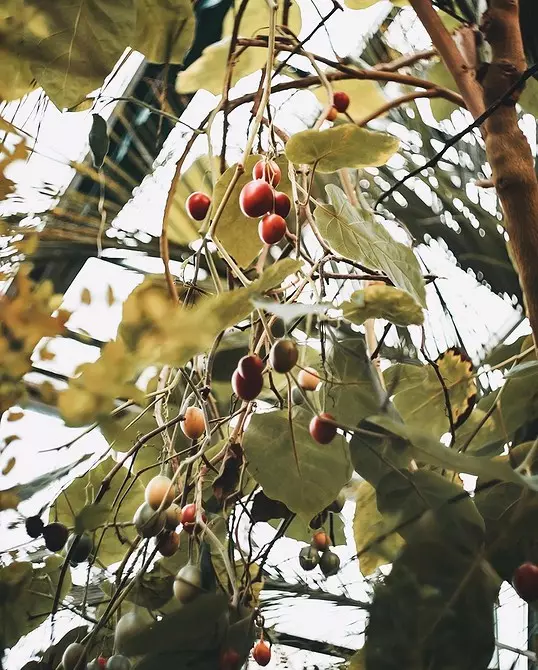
(508, 151)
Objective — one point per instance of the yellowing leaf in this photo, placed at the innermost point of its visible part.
(8, 467)
(15, 416)
(164, 29)
(355, 234)
(85, 296)
(345, 145)
(379, 301)
(209, 70)
(365, 96)
(420, 398)
(368, 527)
(110, 297)
(9, 155)
(78, 44)
(15, 77)
(255, 19)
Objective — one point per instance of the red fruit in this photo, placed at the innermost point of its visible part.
(321, 430)
(101, 662)
(230, 660)
(321, 541)
(272, 228)
(188, 518)
(282, 204)
(249, 388)
(268, 171)
(197, 205)
(341, 101)
(250, 366)
(256, 198)
(261, 653)
(333, 113)
(525, 581)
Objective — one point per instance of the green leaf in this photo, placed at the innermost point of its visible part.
(345, 145)
(288, 312)
(255, 19)
(379, 301)
(355, 234)
(368, 526)
(209, 70)
(79, 43)
(15, 77)
(426, 449)
(82, 491)
(237, 232)
(525, 369)
(306, 485)
(91, 517)
(164, 29)
(365, 96)
(419, 396)
(438, 74)
(351, 391)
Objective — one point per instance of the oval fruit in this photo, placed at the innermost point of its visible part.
(193, 426)
(118, 662)
(197, 205)
(74, 657)
(283, 355)
(333, 113)
(173, 516)
(282, 204)
(159, 490)
(269, 171)
(308, 558)
(168, 543)
(525, 581)
(83, 548)
(148, 522)
(341, 101)
(230, 660)
(250, 366)
(247, 389)
(55, 535)
(188, 518)
(321, 541)
(128, 628)
(34, 526)
(262, 653)
(329, 563)
(256, 198)
(272, 228)
(321, 430)
(308, 379)
(188, 583)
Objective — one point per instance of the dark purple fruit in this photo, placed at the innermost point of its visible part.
(34, 526)
(55, 535)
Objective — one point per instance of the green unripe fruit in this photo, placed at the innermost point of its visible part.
(283, 355)
(118, 662)
(308, 558)
(329, 563)
(188, 583)
(74, 657)
(148, 522)
(82, 550)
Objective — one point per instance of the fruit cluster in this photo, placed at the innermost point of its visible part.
(56, 536)
(319, 553)
(340, 104)
(74, 658)
(258, 198)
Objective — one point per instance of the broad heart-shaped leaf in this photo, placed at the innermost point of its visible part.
(209, 70)
(351, 391)
(425, 448)
(79, 44)
(419, 396)
(355, 234)
(255, 19)
(379, 301)
(306, 485)
(365, 96)
(164, 29)
(82, 491)
(441, 108)
(237, 232)
(369, 530)
(345, 145)
(181, 228)
(15, 77)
